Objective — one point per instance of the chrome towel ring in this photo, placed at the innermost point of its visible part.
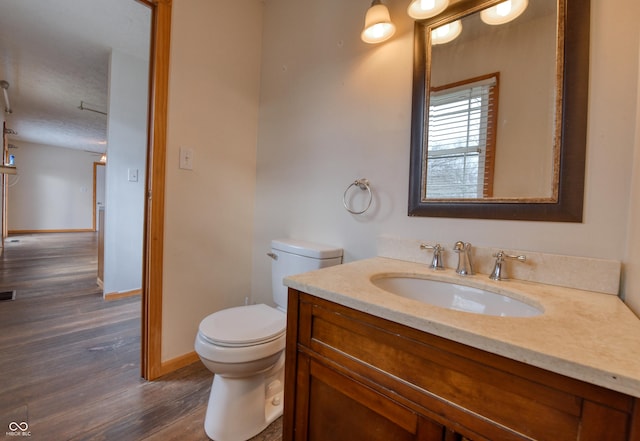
(362, 184)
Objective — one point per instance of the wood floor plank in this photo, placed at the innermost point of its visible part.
(34, 386)
(189, 426)
(187, 393)
(71, 361)
(50, 394)
(59, 328)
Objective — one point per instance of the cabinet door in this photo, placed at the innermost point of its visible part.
(332, 406)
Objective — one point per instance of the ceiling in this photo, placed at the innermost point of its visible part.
(55, 55)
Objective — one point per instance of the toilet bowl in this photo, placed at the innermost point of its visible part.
(244, 347)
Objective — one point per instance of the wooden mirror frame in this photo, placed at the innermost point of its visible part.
(573, 126)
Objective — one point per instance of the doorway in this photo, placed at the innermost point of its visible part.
(152, 180)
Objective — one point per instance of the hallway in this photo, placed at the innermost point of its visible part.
(70, 361)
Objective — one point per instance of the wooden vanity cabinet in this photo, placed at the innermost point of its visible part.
(353, 376)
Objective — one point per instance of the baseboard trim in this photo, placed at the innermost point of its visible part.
(174, 364)
(122, 295)
(80, 230)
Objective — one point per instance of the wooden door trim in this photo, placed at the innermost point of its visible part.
(151, 360)
(94, 222)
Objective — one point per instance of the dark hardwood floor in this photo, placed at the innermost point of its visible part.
(70, 361)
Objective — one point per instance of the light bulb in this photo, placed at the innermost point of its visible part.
(442, 31)
(421, 9)
(446, 33)
(503, 9)
(503, 12)
(426, 5)
(377, 30)
(377, 26)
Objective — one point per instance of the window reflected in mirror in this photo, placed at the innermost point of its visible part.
(461, 146)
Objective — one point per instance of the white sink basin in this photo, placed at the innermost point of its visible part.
(458, 297)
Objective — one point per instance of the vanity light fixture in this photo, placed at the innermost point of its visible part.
(421, 9)
(446, 33)
(503, 12)
(377, 24)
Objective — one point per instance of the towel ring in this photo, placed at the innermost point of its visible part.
(362, 184)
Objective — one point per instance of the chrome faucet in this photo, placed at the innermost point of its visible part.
(499, 268)
(465, 267)
(436, 262)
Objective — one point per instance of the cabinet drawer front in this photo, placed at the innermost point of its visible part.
(435, 373)
(370, 415)
(341, 409)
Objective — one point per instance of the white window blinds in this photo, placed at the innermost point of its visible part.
(461, 139)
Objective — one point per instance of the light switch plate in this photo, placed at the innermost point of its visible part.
(186, 158)
(133, 175)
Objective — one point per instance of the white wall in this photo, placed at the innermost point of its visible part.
(126, 150)
(631, 286)
(53, 189)
(333, 109)
(213, 110)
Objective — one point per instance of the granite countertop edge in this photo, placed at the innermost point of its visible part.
(596, 337)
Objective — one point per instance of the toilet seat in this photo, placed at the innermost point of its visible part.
(243, 326)
(241, 334)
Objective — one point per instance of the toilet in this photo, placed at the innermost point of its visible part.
(244, 347)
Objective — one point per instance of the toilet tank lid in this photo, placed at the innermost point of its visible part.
(306, 249)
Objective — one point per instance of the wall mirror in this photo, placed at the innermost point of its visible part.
(499, 111)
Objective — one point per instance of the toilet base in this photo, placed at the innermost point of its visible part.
(240, 408)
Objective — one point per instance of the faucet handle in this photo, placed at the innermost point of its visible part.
(460, 246)
(436, 262)
(498, 269)
(501, 255)
(465, 267)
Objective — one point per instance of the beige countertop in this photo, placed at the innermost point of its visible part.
(585, 335)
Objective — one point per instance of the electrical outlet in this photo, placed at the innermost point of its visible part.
(186, 158)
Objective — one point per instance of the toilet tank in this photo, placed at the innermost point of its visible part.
(291, 257)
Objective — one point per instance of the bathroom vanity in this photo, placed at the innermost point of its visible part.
(363, 364)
